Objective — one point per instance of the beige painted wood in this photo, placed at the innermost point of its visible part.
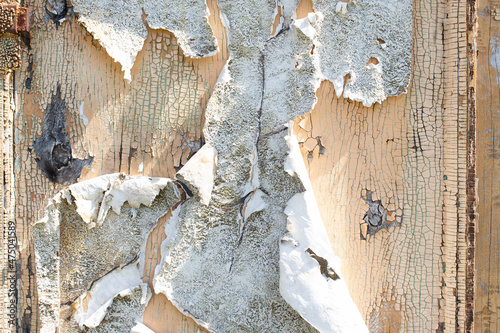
(410, 152)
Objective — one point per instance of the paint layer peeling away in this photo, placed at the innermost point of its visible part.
(363, 47)
(119, 27)
(310, 278)
(239, 261)
(124, 312)
(88, 271)
(247, 250)
(53, 147)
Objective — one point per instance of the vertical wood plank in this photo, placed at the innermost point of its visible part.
(487, 300)
(408, 157)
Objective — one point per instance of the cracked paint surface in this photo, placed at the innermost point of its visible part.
(409, 152)
(159, 131)
(247, 124)
(119, 27)
(415, 164)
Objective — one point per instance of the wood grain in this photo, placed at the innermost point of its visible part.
(487, 300)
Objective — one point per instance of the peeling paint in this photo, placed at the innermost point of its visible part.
(347, 35)
(53, 147)
(232, 244)
(310, 277)
(198, 173)
(119, 27)
(81, 266)
(124, 311)
(247, 250)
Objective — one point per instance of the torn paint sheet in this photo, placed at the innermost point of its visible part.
(94, 199)
(125, 311)
(80, 266)
(310, 278)
(92, 305)
(222, 274)
(119, 27)
(198, 173)
(188, 21)
(363, 45)
(221, 263)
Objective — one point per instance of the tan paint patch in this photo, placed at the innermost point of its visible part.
(385, 318)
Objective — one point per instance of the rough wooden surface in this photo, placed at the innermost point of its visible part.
(487, 300)
(409, 153)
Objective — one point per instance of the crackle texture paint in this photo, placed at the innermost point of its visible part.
(403, 151)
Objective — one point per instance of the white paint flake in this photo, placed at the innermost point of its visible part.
(198, 173)
(95, 197)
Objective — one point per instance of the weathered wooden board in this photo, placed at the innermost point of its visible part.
(406, 158)
(8, 241)
(147, 127)
(487, 298)
(410, 152)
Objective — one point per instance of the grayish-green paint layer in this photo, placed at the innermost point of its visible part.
(367, 29)
(92, 232)
(221, 261)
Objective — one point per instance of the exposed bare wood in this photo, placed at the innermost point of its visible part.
(487, 287)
